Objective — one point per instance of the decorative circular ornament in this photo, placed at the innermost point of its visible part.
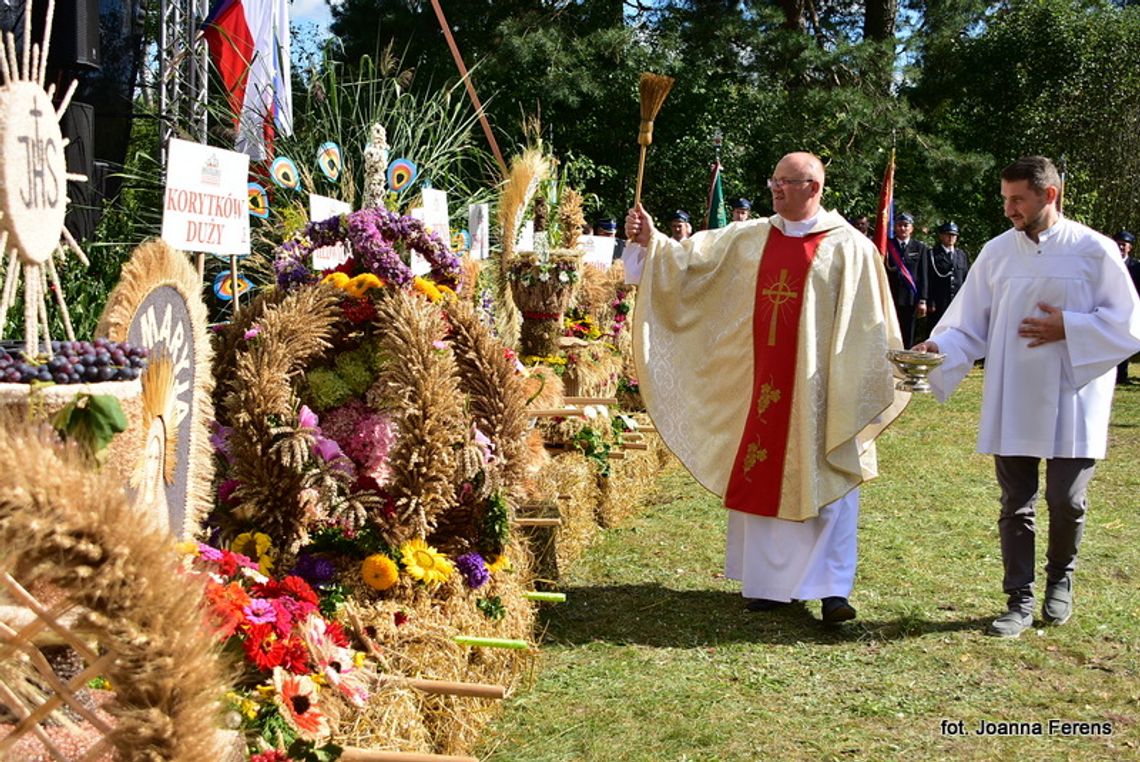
(258, 201)
(33, 172)
(329, 160)
(402, 173)
(284, 173)
(224, 286)
(460, 242)
(157, 305)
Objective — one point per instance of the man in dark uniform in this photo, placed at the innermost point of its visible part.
(741, 209)
(680, 225)
(1126, 241)
(909, 294)
(947, 272)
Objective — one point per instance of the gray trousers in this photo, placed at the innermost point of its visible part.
(1066, 489)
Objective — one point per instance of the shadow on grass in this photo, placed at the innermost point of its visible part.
(652, 615)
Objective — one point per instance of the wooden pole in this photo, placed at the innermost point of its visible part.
(447, 688)
(355, 754)
(471, 88)
(537, 522)
(234, 281)
(590, 400)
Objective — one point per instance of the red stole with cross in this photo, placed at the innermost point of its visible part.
(758, 471)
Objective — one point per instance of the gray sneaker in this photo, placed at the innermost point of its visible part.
(1010, 624)
(1058, 606)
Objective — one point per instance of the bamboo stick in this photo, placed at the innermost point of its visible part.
(448, 688)
(545, 597)
(590, 400)
(634, 446)
(537, 522)
(616, 455)
(356, 754)
(568, 412)
(471, 640)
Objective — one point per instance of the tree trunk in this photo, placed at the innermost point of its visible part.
(879, 20)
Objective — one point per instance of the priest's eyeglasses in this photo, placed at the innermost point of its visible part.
(780, 182)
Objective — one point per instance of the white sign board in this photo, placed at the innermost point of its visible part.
(479, 224)
(322, 208)
(436, 218)
(526, 237)
(206, 205)
(597, 250)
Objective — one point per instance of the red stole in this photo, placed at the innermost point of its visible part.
(758, 471)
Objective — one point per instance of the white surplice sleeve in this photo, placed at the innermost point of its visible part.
(963, 331)
(1098, 341)
(633, 259)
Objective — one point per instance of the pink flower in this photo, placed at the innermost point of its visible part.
(306, 418)
(327, 448)
(226, 490)
(260, 611)
(252, 332)
(439, 344)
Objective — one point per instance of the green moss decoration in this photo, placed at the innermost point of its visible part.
(327, 389)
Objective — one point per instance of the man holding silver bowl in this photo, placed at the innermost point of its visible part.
(1048, 306)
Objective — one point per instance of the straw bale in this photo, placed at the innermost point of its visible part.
(624, 492)
(572, 475)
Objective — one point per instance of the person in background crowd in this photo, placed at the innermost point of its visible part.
(680, 225)
(741, 209)
(909, 293)
(947, 272)
(1125, 241)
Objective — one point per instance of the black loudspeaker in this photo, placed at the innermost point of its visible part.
(85, 209)
(74, 34)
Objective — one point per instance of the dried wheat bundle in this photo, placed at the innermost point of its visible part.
(428, 409)
(527, 171)
(494, 388)
(68, 528)
(571, 220)
(268, 451)
(594, 293)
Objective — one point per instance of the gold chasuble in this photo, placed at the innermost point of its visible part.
(761, 358)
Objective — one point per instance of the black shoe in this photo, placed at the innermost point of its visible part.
(764, 604)
(837, 610)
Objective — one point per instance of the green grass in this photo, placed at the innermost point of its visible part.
(654, 658)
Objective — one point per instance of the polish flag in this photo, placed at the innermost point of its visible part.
(249, 44)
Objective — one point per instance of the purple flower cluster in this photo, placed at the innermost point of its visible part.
(474, 570)
(380, 241)
(316, 570)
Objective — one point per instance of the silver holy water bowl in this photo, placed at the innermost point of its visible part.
(916, 366)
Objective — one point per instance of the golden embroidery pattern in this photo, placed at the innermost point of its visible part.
(768, 397)
(779, 294)
(754, 455)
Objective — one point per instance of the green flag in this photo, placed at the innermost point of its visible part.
(715, 215)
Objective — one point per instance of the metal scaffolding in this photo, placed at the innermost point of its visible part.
(183, 70)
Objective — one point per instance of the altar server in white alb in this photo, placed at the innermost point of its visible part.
(1050, 307)
(761, 355)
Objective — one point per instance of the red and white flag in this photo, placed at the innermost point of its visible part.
(249, 44)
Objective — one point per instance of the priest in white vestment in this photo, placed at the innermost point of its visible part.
(1049, 306)
(761, 356)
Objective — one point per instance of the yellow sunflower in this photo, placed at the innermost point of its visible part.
(379, 572)
(255, 546)
(360, 285)
(338, 279)
(499, 564)
(427, 288)
(424, 562)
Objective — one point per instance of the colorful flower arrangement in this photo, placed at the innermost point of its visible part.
(382, 244)
(300, 671)
(581, 326)
(531, 271)
(622, 306)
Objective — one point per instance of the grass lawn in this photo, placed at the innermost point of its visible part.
(653, 656)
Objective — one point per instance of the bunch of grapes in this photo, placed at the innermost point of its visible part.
(75, 362)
